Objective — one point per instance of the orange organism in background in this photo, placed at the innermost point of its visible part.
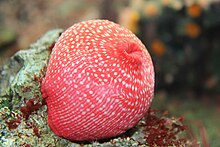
(158, 47)
(151, 9)
(194, 10)
(192, 30)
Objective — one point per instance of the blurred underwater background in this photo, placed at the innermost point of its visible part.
(182, 36)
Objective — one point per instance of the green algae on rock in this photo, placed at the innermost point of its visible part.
(23, 67)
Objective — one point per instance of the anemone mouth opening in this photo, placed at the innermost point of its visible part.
(133, 50)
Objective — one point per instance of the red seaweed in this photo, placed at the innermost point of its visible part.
(30, 107)
(13, 124)
(36, 131)
(163, 131)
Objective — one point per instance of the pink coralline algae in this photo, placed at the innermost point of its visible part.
(99, 81)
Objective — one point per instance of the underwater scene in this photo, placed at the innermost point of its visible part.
(109, 73)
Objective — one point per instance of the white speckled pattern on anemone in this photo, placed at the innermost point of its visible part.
(99, 81)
